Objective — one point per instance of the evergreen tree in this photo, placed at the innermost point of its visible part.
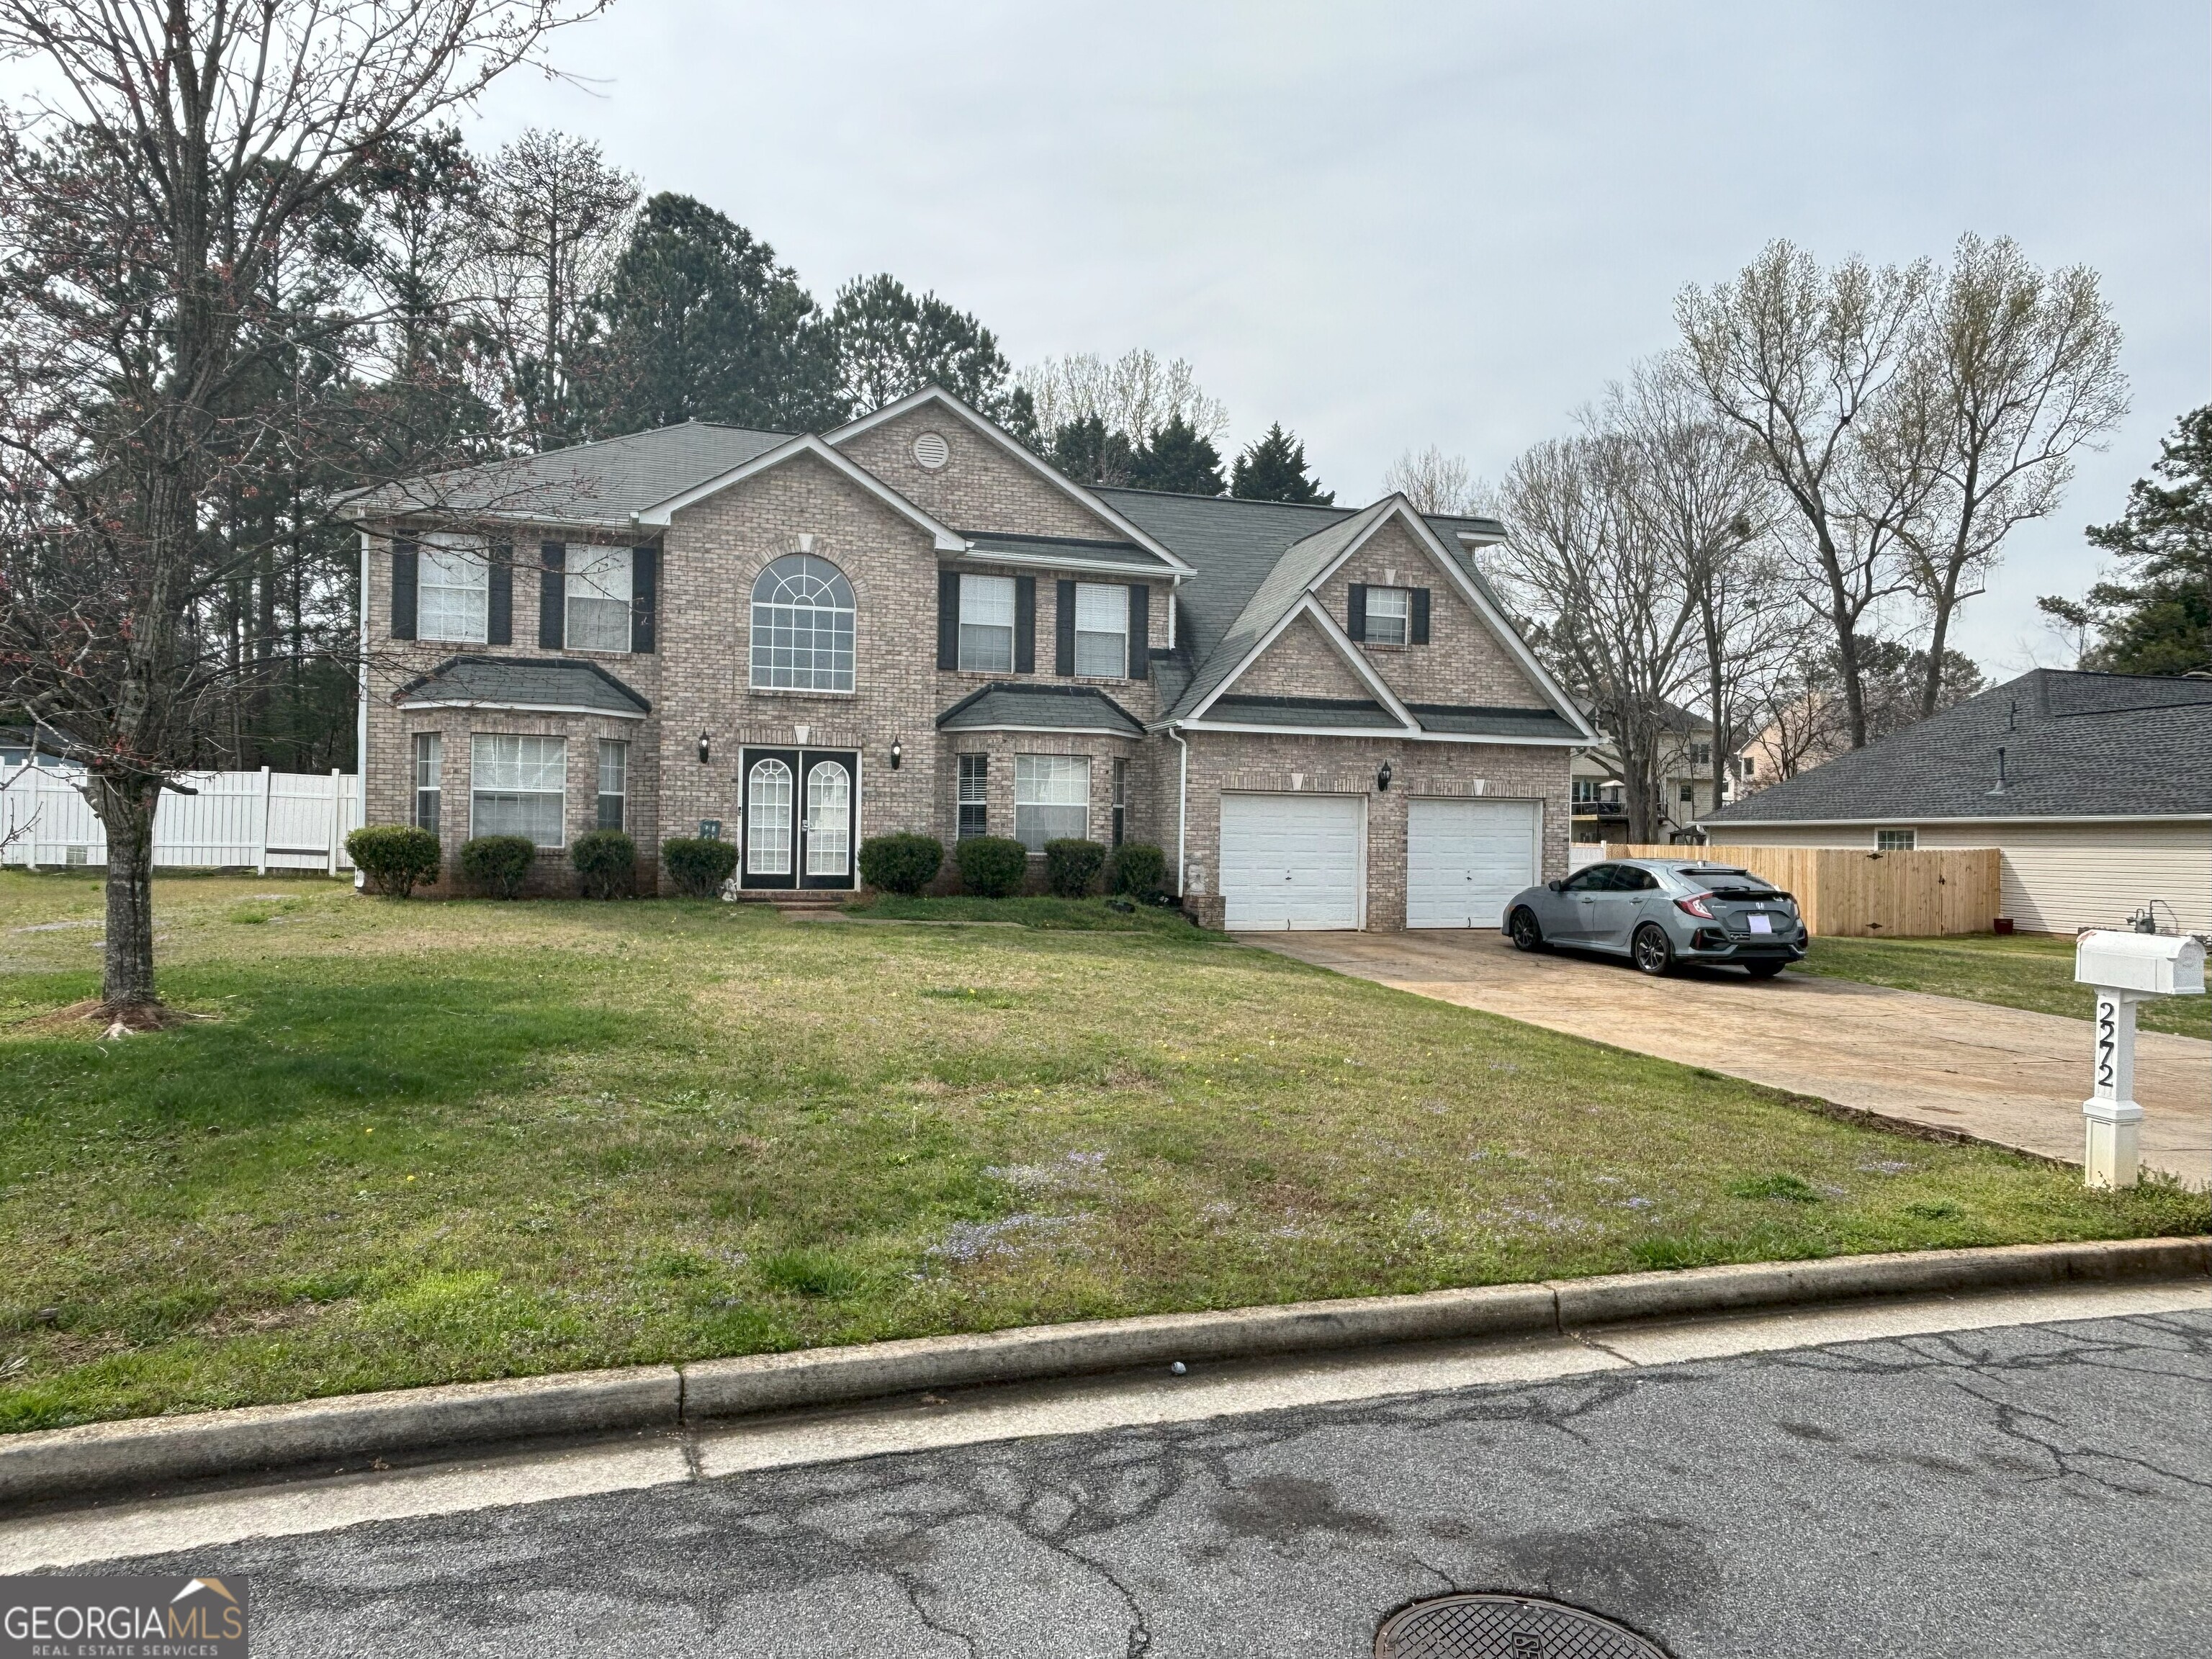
(698, 321)
(2156, 618)
(1274, 469)
(1177, 458)
(890, 344)
(1090, 452)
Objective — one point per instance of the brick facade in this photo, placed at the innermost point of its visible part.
(698, 680)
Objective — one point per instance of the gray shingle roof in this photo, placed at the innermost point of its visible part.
(601, 483)
(1065, 547)
(2076, 745)
(523, 683)
(1003, 705)
(1353, 714)
(1479, 720)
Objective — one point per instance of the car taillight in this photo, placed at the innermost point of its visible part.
(1695, 905)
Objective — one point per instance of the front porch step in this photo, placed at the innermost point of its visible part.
(817, 898)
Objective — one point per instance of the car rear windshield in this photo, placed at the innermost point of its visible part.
(1721, 879)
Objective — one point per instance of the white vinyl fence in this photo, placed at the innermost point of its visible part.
(260, 821)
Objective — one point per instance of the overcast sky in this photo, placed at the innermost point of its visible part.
(1446, 223)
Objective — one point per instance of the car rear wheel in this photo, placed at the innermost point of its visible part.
(1652, 951)
(1527, 935)
(1763, 969)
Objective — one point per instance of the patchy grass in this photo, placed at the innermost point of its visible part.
(1089, 915)
(424, 1142)
(2033, 972)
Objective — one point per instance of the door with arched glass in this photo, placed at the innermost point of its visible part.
(801, 818)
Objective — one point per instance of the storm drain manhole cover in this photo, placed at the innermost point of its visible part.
(1505, 1627)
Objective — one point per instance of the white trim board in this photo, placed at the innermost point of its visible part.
(514, 708)
(1374, 731)
(1012, 446)
(662, 513)
(1901, 820)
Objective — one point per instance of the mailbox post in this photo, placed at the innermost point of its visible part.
(2124, 970)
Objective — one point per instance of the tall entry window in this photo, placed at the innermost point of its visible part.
(768, 819)
(802, 636)
(1051, 798)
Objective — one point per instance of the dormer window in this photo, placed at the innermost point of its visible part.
(1389, 616)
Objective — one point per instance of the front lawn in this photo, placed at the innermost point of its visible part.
(426, 1142)
(2031, 971)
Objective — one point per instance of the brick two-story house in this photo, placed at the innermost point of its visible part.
(1323, 716)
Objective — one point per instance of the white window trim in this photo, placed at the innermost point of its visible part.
(1115, 598)
(1403, 598)
(597, 556)
(1087, 766)
(476, 552)
(476, 791)
(1012, 606)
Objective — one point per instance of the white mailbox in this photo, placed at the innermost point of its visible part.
(2159, 964)
(2125, 968)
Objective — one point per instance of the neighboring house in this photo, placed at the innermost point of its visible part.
(1686, 784)
(2097, 788)
(1323, 716)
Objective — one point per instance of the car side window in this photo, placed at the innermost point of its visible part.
(1592, 880)
(1627, 878)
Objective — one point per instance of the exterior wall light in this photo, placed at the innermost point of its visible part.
(705, 750)
(898, 752)
(1382, 776)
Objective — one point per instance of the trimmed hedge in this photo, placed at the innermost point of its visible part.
(393, 857)
(607, 864)
(1138, 869)
(497, 865)
(902, 863)
(1072, 865)
(697, 866)
(992, 866)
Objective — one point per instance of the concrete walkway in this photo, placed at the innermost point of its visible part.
(1997, 1074)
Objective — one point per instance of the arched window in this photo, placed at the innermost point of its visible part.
(802, 627)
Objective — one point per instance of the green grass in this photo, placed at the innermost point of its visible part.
(430, 1142)
(2019, 971)
(1089, 915)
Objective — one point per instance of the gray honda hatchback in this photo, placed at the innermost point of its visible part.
(1659, 912)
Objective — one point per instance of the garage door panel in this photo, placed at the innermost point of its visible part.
(1291, 861)
(1465, 859)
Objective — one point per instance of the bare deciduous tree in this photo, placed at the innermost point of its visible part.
(1136, 394)
(149, 210)
(1799, 359)
(1435, 482)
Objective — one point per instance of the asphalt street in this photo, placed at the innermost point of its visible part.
(2021, 1491)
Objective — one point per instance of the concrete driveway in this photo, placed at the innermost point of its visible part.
(1997, 1074)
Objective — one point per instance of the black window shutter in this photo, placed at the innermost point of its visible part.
(1025, 625)
(1420, 622)
(404, 565)
(552, 595)
(644, 596)
(1140, 630)
(1063, 631)
(948, 619)
(500, 630)
(1355, 611)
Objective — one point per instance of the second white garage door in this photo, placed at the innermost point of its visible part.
(1290, 860)
(1464, 859)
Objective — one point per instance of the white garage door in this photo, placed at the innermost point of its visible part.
(1290, 860)
(1464, 859)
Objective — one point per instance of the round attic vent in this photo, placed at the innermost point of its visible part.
(931, 450)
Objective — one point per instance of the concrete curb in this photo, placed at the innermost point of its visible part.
(148, 1452)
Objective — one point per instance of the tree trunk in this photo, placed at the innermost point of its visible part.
(125, 807)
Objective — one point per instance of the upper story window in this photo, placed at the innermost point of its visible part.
(987, 623)
(1586, 789)
(1102, 630)
(1389, 616)
(598, 588)
(1701, 754)
(454, 592)
(802, 627)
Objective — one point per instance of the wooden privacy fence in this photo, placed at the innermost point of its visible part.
(261, 821)
(1844, 893)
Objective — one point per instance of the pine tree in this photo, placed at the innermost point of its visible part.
(1274, 469)
(699, 322)
(1090, 453)
(1177, 458)
(890, 344)
(2158, 618)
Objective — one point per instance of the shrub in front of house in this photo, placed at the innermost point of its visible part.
(607, 864)
(394, 857)
(698, 866)
(902, 863)
(992, 866)
(497, 865)
(1071, 866)
(1138, 869)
